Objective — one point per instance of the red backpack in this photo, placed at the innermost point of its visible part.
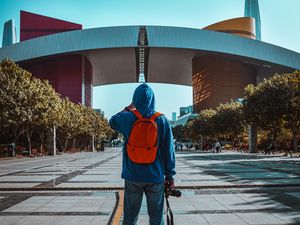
(142, 143)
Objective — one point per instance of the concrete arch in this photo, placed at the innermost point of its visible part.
(158, 37)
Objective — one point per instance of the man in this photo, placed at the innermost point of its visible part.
(218, 146)
(145, 178)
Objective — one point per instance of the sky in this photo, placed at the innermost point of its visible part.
(279, 21)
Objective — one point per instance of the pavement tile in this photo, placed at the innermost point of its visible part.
(294, 194)
(104, 184)
(9, 220)
(262, 201)
(31, 204)
(99, 220)
(203, 183)
(63, 204)
(256, 175)
(58, 220)
(96, 178)
(231, 201)
(27, 178)
(18, 185)
(291, 217)
(187, 219)
(223, 219)
(259, 218)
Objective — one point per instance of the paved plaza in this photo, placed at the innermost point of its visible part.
(83, 189)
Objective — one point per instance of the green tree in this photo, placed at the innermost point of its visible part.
(31, 106)
(204, 124)
(292, 116)
(49, 113)
(67, 128)
(14, 87)
(273, 102)
(228, 120)
(178, 132)
(28, 104)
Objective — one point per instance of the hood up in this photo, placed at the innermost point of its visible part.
(144, 100)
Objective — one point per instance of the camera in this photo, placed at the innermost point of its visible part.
(172, 192)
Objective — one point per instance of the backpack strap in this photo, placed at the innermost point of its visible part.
(140, 116)
(155, 115)
(137, 113)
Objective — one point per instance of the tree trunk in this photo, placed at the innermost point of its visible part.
(28, 135)
(42, 135)
(82, 144)
(294, 142)
(74, 143)
(17, 135)
(61, 144)
(275, 134)
(252, 129)
(66, 145)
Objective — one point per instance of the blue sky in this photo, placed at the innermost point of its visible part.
(279, 18)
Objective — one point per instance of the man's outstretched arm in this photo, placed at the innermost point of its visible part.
(116, 122)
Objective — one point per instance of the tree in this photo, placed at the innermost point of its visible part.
(49, 113)
(292, 116)
(178, 132)
(203, 125)
(273, 102)
(228, 120)
(67, 128)
(31, 106)
(28, 104)
(14, 98)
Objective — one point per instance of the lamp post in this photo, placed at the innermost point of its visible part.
(54, 140)
(93, 143)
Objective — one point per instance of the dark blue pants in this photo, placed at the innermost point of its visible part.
(133, 199)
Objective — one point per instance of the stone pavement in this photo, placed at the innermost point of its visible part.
(214, 189)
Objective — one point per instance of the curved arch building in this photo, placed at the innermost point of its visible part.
(218, 60)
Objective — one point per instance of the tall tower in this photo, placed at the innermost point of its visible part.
(252, 10)
(9, 33)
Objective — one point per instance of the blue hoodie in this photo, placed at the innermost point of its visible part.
(164, 164)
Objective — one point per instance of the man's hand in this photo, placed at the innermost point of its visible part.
(128, 108)
(169, 184)
(131, 107)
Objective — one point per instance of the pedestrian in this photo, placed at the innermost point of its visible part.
(289, 147)
(218, 146)
(151, 177)
(176, 146)
(269, 148)
(181, 146)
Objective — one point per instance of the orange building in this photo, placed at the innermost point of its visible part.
(218, 79)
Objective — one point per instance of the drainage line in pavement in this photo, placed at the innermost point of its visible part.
(54, 213)
(194, 187)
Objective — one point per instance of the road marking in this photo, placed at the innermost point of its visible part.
(119, 211)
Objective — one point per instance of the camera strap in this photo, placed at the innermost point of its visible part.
(170, 220)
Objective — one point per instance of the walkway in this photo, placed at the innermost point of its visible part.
(81, 189)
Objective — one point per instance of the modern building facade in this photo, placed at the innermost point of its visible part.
(218, 61)
(9, 33)
(183, 120)
(252, 10)
(174, 116)
(185, 110)
(71, 74)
